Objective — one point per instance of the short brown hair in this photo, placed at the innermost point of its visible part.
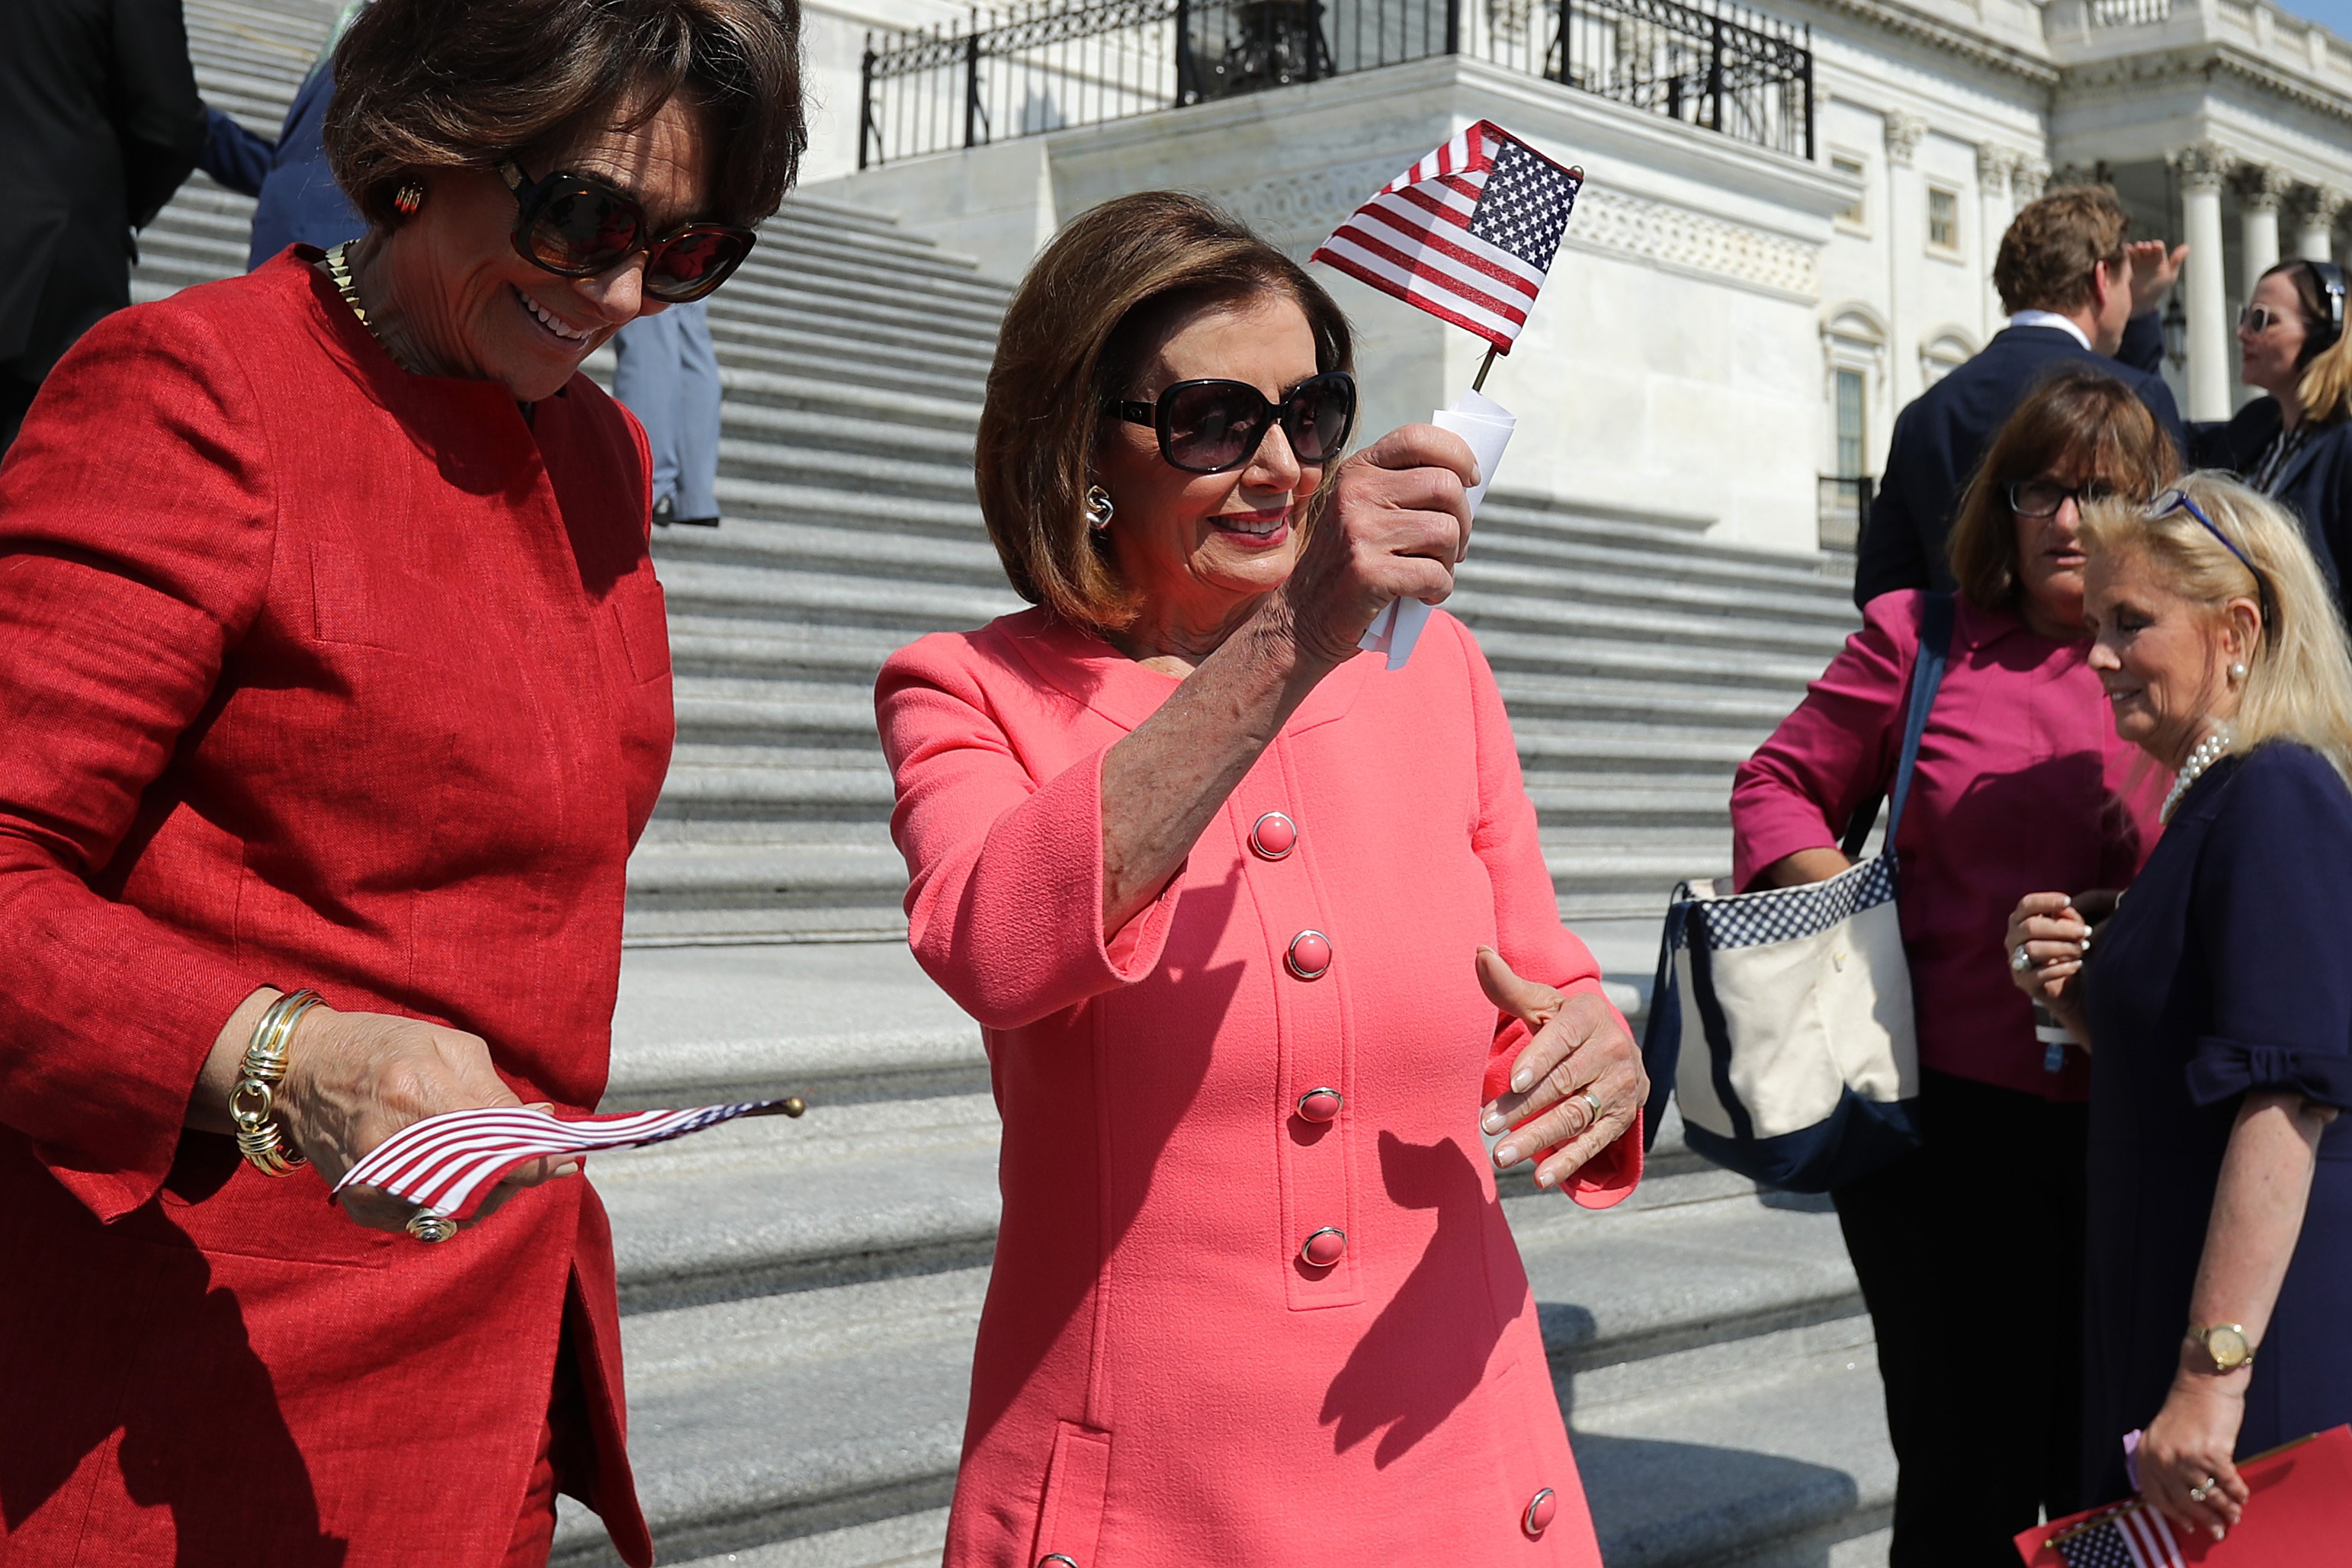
(1093, 303)
(447, 84)
(2075, 414)
(2047, 256)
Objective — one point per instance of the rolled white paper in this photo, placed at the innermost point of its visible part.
(1487, 426)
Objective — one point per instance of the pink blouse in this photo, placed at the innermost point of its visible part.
(2023, 786)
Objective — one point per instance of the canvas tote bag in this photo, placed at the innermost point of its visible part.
(1803, 1054)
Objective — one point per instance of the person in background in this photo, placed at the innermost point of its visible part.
(2020, 784)
(99, 122)
(2216, 1007)
(2295, 444)
(1243, 917)
(297, 200)
(667, 373)
(334, 671)
(2078, 295)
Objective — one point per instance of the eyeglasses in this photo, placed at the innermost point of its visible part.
(2258, 319)
(577, 227)
(2043, 497)
(1212, 426)
(2178, 500)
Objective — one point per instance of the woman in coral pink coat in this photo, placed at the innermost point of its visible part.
(1244, 916)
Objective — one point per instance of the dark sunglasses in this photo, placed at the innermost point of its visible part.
(577, 227)
(1211, 426)
(2043, 497)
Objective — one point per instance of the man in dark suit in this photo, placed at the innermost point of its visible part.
(2076, 294)
(99, 122)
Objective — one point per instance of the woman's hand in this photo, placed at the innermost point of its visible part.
(2190, 1444)
(1394, 525)
(2052, 933)
(1576, 1046)
(352, 1079)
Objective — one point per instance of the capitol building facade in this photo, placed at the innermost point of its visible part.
(1790, 218)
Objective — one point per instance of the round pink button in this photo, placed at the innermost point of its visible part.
(1274, 836)
(1323, 1249)
(1540, 1508)
(1319, 1105)
(1309, 955)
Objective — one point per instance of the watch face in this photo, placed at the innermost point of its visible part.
(2227, 1346)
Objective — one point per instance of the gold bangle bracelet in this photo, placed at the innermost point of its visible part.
(253, 1103)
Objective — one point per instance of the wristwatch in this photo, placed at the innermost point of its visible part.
(2225, 1345)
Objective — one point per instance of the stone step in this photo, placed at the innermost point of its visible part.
(777, 1415)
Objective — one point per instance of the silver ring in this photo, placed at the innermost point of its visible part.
(1591, 1104)
(2019, 958)
(431, 1229)
(2199, 1493)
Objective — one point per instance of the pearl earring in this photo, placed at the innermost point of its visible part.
(1099, 510)
(2238, 671)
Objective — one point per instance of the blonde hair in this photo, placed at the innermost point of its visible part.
(2298, 683)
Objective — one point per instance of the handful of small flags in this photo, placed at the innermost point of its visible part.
(447, 1164)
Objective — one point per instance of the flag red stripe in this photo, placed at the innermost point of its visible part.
(1460, 253)
(1402, 280)
(1419, 299)
(1436, 273)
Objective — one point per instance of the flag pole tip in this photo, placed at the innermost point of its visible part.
(1575, 171)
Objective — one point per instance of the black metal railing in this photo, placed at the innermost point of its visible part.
(1051, 64)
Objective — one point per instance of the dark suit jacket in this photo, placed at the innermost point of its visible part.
(99, 122)
(1940, 438)
(2315, 485)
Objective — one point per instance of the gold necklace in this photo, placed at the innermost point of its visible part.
(338, 272)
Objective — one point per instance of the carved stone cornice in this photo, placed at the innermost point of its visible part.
(1895, 17)
(1904, 130)
(2205, 63)
(2202, 167)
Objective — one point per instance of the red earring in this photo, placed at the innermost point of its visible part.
(407, 199)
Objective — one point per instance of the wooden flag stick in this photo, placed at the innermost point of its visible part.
(1478, 381)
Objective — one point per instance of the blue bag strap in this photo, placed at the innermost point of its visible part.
(1936, 617)
(1662, 1032)
(1926, 675)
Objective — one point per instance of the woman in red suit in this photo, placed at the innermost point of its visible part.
(333, 665)
(1240, 911)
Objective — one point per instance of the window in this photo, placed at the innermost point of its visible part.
(1943, 219)
(1850, 168)
(1849, 433)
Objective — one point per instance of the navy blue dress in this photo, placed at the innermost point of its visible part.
(2228, 967)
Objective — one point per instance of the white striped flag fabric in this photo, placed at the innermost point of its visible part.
(2133, 1536)
(447, 1164)
(1466, 234)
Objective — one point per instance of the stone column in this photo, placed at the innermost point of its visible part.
(2201, 169)
(2259, 191)
(2317, 208)
(1907, 237)
(1993, 164)
(2028, 177)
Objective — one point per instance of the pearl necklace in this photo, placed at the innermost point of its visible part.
(2209, 751)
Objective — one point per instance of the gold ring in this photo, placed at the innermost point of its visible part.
(430, 1228)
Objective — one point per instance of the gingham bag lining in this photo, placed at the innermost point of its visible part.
(1786, 913)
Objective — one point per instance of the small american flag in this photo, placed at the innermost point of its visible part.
(2133, 1536)
(1466, 234)
(447, 1164)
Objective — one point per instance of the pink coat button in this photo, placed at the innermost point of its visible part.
(1540, 1508)
(1309, 955)
(1323, 1249)
(1319, 1105)
(1274, 836)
